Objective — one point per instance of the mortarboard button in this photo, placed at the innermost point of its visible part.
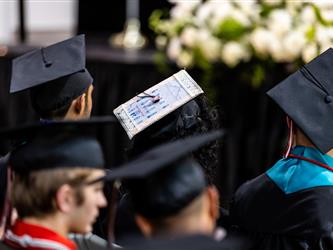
(55, 75)
(328, 99)
(308, 108)
(46, 63)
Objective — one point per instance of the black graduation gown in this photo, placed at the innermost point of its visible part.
(192, 242)
(275, 220)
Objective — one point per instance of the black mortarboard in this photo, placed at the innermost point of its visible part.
(56, 74)
(165, 179)
(306, 97)
(57, 144)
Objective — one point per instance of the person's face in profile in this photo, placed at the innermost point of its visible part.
(85, 214)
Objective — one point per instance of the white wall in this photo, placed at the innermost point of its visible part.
(47, 21)
(51, 15)
(8, 20)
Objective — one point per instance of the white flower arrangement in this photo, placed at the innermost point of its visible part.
(199, 33)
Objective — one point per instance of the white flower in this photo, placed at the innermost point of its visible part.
(322, 4)
(210, 48)
(280, 22)
(188, 36)
(250, 8)
(209, 45)
(309, 52)
(203, 35)
(233, 53)
(324, 47)
(327, 15)
(203, 13)
(260, 40)
(322, 35)
(226, 10)
(183, 9)
(272, 2)
(293, 44)
(277, 51)
(219, 11)
(308, 15)
(185, 59)
(161, 42)
(174, 48)
(240, 17)
(290, 31)
(293, 6)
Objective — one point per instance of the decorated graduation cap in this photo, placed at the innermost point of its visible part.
(57, 144)
(306, 97)
(55, 75)
(165, 106)
(165, 179)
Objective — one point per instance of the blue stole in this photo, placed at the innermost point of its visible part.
(292, 175)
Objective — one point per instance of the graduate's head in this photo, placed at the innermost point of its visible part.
(306, 97)
(57, 174)
(167, 122)
(175, 201)
(69, 192)
(168, 189)
(192, 118)
(60, 85)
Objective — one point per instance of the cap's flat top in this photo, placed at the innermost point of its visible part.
(156, 102)
(46, 64)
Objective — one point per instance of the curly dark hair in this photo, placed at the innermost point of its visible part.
(195, 117)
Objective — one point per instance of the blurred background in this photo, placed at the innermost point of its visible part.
(236, 50)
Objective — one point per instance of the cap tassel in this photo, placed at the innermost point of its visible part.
(290, 137)
(7, 208)
(46, 63)
(155, 98)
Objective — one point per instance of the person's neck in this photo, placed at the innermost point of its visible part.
(302, 140)
(181, 226)
(54, 223)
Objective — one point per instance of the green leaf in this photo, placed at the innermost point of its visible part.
(310, 33)
(319, 16)
(200, 60)
(160, 61)
(258, 76)
(156, 17)
(230, 29)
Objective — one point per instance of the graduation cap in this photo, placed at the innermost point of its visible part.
(57, 144)
(172, 95)
(56, 74)
(165, 179)
(306, 97)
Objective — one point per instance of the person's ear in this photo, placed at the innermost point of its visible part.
(144, 225)
(214, 202)
(79, 105)
(65, 198)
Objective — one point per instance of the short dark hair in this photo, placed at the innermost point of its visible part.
(51, 114)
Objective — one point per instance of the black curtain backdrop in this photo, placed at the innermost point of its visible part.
(255, 126)
(103, 18)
